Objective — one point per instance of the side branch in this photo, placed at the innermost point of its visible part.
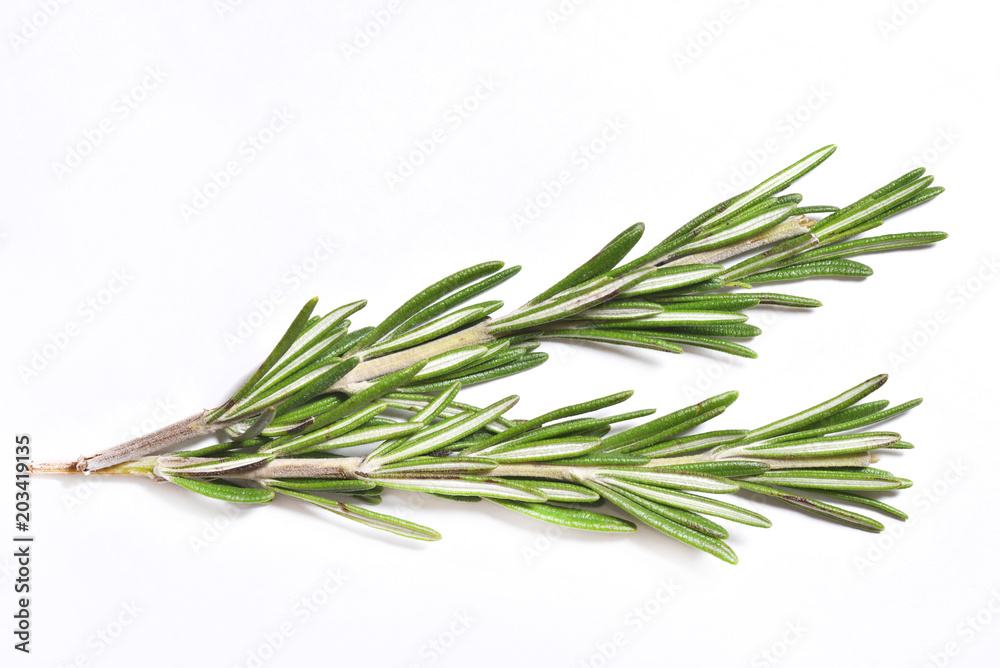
(151, 443)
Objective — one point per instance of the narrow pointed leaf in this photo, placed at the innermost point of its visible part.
(695, 503)
(605, 260)
(574, 518)
(288, 445)
(367, 517)
(425, 298)
(710, 544)
(827, 479)
(457, 298)
(671, 278)
(855, 520)
(664, 477)
(432, 330)
(223, 491)
(819, 411)
(774, 184)
(559, 448)
(460, 428)
(464, 486)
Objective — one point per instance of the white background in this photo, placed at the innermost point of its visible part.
(893, 83)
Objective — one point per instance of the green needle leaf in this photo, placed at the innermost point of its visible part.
(567, 411)
(446, 433)
(459, 297)
(603, 262)
(818, 446)
(860, 421)
(708, 302)
(574, 518)
(827, 510)
(672, 278)
(216, 469)
(438, 466)
(361, 436)
(432, 330)
(617, 310)
(224, 491)
(453, 360)
(322, 485)
(774, 184)
(670, 478)
(885, 242)
(693, 443)
(559, 448)
(819, 411)
(660, 429)
(836, 480)
(694, 503)
(367, 517)
(740, 231)
(775, 299)
(679, 318)
(522, 363)
(490, 488)
(868, 501)
(316, 340)
(425, 298)
(658, 521)
(286, 341)
(563, 491)
(290, 445)
(798, 271)
(377, 389)
(708, 343)
(614, 337)
(724, 469)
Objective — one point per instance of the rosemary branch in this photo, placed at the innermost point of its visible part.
(558, 466)
(674, 296)
(326, 387)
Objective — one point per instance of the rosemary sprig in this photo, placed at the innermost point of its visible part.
(560, 466)
(677, 295)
